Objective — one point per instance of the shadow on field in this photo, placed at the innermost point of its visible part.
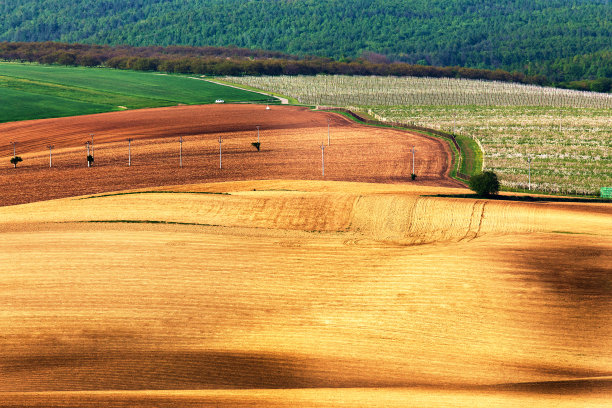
(589, 385)
(103, 369)
(578, 274)
(70, 367)
(547, 199)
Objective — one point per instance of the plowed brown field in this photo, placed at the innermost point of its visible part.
(290, 149)
(305, 293)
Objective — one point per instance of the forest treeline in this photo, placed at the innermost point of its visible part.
(233, 61)
(563, 40)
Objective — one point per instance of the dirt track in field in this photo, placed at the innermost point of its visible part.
(305, 284)
(290, 149)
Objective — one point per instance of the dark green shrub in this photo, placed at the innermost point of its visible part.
(257, 145)
(15, 160)
(485, 184)
(413, 176)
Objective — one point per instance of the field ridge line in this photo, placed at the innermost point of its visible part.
(284, 101)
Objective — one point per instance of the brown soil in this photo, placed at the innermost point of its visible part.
(290, 149)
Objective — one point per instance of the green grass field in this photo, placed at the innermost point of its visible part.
(32, 91)
(19, 105)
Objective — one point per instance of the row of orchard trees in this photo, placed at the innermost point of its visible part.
(342, 90)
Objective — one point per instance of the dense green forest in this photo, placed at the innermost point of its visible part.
(565, 40)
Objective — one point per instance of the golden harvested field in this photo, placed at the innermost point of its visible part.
(305, 293)
(290, 149)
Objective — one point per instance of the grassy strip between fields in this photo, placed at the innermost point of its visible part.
(571, 233)
(278, 189)
(151, 192)
(292, 101)
(473, 156)
(144, 222)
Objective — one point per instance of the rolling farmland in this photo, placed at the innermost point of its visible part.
(265, 283)
(568, 133)
(316, 293)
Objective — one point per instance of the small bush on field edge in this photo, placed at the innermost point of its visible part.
(485, 184)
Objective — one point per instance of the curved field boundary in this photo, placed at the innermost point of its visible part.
(284, 100)
(468, 160)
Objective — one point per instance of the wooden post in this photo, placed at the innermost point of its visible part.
(323, 159)
(92, 144)
(220, 153)
(50, 156)
(129, 152)
(88, 163)
(529, 160)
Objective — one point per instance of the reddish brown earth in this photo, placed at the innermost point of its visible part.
(290, 149)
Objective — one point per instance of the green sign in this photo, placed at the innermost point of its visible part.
(605, 192)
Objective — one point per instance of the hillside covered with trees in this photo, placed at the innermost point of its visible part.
(565, 40)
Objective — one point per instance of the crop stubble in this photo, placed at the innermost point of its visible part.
(304, 284)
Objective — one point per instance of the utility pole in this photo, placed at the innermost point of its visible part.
(529, 160)
(181, 151)
(92, 144)
(258, 133)
(88, 163)
(50, 155)
(323, 159)
(413, 160)
(328, 138)
(220, 153)
(129, 152)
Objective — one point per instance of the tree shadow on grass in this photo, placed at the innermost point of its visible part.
(528, 198)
